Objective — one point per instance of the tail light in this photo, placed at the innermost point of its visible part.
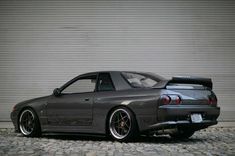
(176, 100)
(170, 99)
(165, 99)
(212, 100)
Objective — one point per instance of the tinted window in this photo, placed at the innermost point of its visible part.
(138, 80)
(86, 84)
(105, 82)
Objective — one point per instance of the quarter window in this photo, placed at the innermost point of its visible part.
(86, 84)
(105, 82)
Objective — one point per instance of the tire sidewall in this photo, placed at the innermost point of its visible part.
(37, 128)
(133, 132)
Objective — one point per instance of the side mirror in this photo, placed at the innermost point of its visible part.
(57, 92)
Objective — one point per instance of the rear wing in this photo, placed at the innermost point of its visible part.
(192, 80)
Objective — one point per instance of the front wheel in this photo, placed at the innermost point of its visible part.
(123, 125)
(29, 123)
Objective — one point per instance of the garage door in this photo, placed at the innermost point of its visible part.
(44, 44)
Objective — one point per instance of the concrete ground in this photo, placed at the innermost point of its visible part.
(211, 141)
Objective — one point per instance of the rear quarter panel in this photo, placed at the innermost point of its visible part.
(142, 102)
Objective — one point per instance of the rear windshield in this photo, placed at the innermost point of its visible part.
(140, 80)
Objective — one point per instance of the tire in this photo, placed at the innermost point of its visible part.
(182, 134)
(29, 124)
(122, 125)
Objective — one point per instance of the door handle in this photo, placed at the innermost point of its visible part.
(87, 99)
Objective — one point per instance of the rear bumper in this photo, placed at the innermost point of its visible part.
(172, 116)
(183, 123)
(183, 112)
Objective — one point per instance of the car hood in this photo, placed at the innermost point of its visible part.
(30, 102)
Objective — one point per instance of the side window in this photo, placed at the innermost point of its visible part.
(86, 84)
(105, 82)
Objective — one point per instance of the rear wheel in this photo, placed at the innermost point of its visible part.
(182, 134)
(29, 123)
(123, 125)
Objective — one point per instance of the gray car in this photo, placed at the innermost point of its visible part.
(123, 105)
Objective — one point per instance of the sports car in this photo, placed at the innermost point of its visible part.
(123, 105)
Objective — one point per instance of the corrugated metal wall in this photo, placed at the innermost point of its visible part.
(43, 44)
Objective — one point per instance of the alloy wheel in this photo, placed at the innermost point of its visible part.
(26, 121)
(120, 123)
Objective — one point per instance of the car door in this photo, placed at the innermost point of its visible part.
(73, 107)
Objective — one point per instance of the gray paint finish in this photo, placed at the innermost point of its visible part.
(44, 44)
(72, 112)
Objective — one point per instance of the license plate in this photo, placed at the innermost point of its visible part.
(196, 118)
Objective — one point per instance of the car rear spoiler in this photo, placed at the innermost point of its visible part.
(192, 80)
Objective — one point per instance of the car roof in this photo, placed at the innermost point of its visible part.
(119, 71)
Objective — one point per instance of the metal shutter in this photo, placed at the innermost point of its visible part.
(43, 44)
